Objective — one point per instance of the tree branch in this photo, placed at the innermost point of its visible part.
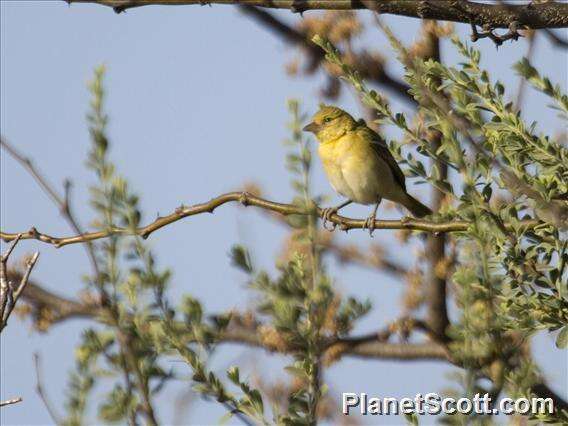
(247, 199)
(62, 203)
(238, 332)
(10, 401)
(42, 393)
(436, 244)
(535, 16)
(372, 72)
(10, 293)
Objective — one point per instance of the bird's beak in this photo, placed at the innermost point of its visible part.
(311, 127)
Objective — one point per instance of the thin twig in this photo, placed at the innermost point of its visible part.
(9, 294)
(10, 401)
(531, 38)
(61, 202)
(556, 39)
(41, 392)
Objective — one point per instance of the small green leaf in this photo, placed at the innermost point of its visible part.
(562, 338)
(233, 375)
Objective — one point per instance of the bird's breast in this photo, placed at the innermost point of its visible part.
(332, 155)
(355, 171)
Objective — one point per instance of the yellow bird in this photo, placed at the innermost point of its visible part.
(358, 164)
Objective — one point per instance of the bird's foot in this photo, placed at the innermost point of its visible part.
(326, 217)
(370, 224)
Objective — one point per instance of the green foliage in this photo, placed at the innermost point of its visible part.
(131, 289)
(510, 278)
(543, 84)
(249, 403)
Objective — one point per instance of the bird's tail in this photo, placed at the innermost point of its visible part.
(416, 207)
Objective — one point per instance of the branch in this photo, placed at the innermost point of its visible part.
(531, 40)
(556, 39)
(547, 15)
(42, 393)
(436, 296)
(246, 199)
(367, 349)
(49, 308)
(372, 72)
(9, 294)
(542, 390)
(10, 401)
(487, 32)
(62, 203)
(241, 332)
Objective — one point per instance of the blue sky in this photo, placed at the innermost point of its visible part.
(197, 100)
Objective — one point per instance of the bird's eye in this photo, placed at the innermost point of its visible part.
(327, 119)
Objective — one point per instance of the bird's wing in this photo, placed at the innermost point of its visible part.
(381, 149)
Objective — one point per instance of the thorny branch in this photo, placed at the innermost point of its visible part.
(247, 199)
(535, 16)
(488, 32)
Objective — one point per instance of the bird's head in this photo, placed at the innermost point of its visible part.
(330, 123)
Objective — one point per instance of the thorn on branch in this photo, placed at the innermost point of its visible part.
(422, 8)
(489, 32)
(127, 5)
(34, 232)
(244, 199)
(298, 6)
(179, 210)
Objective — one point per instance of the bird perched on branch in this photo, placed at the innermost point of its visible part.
(358, 164)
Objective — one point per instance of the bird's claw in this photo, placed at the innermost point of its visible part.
(370, 224)
(326, 217)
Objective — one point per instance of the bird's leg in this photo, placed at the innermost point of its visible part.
(370, 222)
(330, 211)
